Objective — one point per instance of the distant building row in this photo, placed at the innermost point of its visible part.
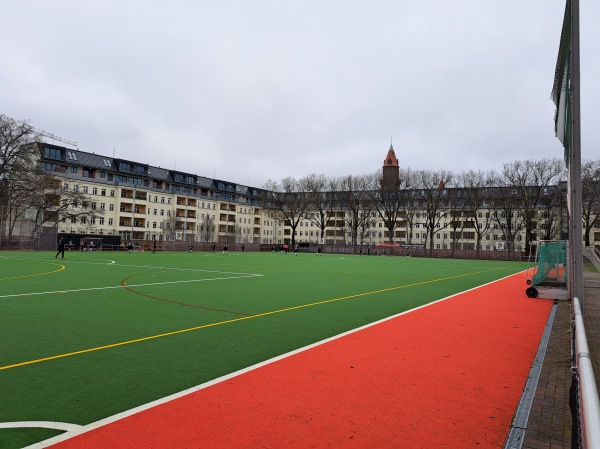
(137, 201)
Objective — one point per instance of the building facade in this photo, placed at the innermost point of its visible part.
(139, 202)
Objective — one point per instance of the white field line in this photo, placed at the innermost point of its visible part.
(132, 285)
(67, 427)
(88, 427)
(111, 262)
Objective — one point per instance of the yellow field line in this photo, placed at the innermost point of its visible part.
(204, 326)
(62, 267)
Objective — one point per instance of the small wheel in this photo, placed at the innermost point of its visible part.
(528, 281)
(531, 292)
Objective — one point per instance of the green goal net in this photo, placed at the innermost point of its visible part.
(551, 263)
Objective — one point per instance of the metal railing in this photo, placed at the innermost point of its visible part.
(587, 403)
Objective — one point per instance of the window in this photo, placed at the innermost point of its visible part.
(52, 153)
(85, 189)
(125, 167)
(103, 192)
(112, 193)
(48, 166)
(73, 170)
(155, 211)
(111, 207)
(102, 206)
(102, 174)
(101, 221)
(110, 221)
(95, 191)
(107, 162)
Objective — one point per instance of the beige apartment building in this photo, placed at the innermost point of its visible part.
(140, 202)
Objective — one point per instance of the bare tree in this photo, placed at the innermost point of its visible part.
(52, 202)
(505, 207)
(29, 191)
(17, 155)
(368, 212)
(434, 198)
(319, 197)
(353, 199)
(390, 202)
(171, 225)
(290, 199)
(590, 179)
(409, 202)
(207, 229)
(475, 190)
(553, 223)
(531, 180)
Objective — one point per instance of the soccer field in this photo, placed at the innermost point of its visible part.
(99, 333)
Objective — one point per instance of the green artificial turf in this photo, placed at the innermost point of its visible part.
(99, 333)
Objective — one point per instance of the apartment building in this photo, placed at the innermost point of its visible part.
(137, 201)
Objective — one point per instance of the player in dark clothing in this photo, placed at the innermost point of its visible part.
(61, 248)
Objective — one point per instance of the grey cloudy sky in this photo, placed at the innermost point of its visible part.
(253, 90)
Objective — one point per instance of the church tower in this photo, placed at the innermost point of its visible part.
(391, 170)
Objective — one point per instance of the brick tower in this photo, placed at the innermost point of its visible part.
(391, 170)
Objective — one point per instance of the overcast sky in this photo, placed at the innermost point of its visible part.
(247, 91)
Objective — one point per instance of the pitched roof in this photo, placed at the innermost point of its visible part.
(390, 159)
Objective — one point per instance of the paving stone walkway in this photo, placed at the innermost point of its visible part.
(550, 422)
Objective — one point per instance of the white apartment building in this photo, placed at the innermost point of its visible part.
(139, 202)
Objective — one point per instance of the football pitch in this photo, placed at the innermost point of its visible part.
(99, 333)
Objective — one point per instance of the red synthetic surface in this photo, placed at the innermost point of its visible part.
(446, 376)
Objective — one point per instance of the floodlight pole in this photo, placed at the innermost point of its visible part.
(575, 162)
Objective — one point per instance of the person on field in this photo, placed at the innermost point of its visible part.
(225, 249)
(318, 251)
(61, 248)
(191, 247)
(154, 247)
